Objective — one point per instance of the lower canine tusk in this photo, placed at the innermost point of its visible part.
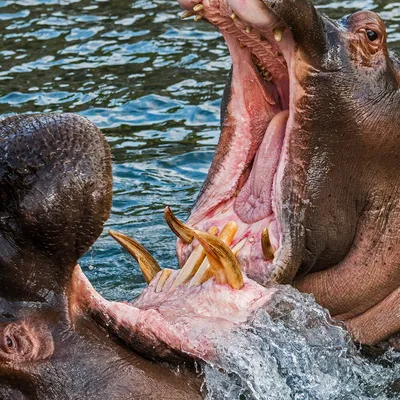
(147, 263)
(193, 263)
(268, 250)
(176, 226)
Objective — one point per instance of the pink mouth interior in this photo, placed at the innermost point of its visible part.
(186, 322)
(243, 186)
(243, 182)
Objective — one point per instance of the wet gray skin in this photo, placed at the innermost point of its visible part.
(55, 195)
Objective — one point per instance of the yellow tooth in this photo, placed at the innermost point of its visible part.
(187, 14)
(165, 274)
(197, 18)
(267, 248)
(147, 263)
(233, 16)
(248, 29)
(228, 232)
(198, 7)
(224, 264)
(176, 226)
(202, 274)
(278, 34)
(208, 274)
(193, 263)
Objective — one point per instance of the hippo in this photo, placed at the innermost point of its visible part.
(55, 195)
(302, 191)
(307, 161)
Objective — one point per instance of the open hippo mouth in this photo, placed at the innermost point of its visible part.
(244, 183)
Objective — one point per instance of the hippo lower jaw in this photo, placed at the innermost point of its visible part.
(173, 324)
(244, 180)
(183, 313)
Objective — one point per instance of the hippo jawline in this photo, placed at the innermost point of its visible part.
(243, 184)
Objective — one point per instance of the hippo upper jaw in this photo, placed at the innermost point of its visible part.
(270, 51)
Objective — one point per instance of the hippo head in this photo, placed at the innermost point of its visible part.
(309, 150)
(55, 195)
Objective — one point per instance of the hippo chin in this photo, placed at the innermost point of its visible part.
(303, 190)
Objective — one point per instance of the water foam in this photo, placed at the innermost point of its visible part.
(293, 351)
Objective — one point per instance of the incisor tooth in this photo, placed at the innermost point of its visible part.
(198, 18)
(228, 232)
(278, 33)
(147, 263)
(201, 275)
(238, 246)
(187, 14)
(233, 16)
(165, 274)
(248, 29)
(198, 7)
(267, 248)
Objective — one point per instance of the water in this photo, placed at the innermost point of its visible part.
(292, 351)
(153, 84)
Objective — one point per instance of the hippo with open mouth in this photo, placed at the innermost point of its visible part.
(303, 190)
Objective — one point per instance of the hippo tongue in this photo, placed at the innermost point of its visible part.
(254, 200)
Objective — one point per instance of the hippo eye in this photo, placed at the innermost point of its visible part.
(372, 35)
(9, 342)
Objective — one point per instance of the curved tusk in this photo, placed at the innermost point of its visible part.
(224, 264)
(267, 249)
(222, 260)
(147, 263)
(181, 230)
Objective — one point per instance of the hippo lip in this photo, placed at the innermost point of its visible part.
(243, 184)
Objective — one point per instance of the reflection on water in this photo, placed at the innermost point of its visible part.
(152, 82)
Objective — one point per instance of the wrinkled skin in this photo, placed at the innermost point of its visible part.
(55, 195)
(310, 152)
(335, 193)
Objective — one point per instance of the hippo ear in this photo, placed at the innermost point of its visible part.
(55, 195)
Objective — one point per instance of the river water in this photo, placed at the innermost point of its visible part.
(153, 84)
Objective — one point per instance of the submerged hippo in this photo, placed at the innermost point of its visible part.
(303, 190)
